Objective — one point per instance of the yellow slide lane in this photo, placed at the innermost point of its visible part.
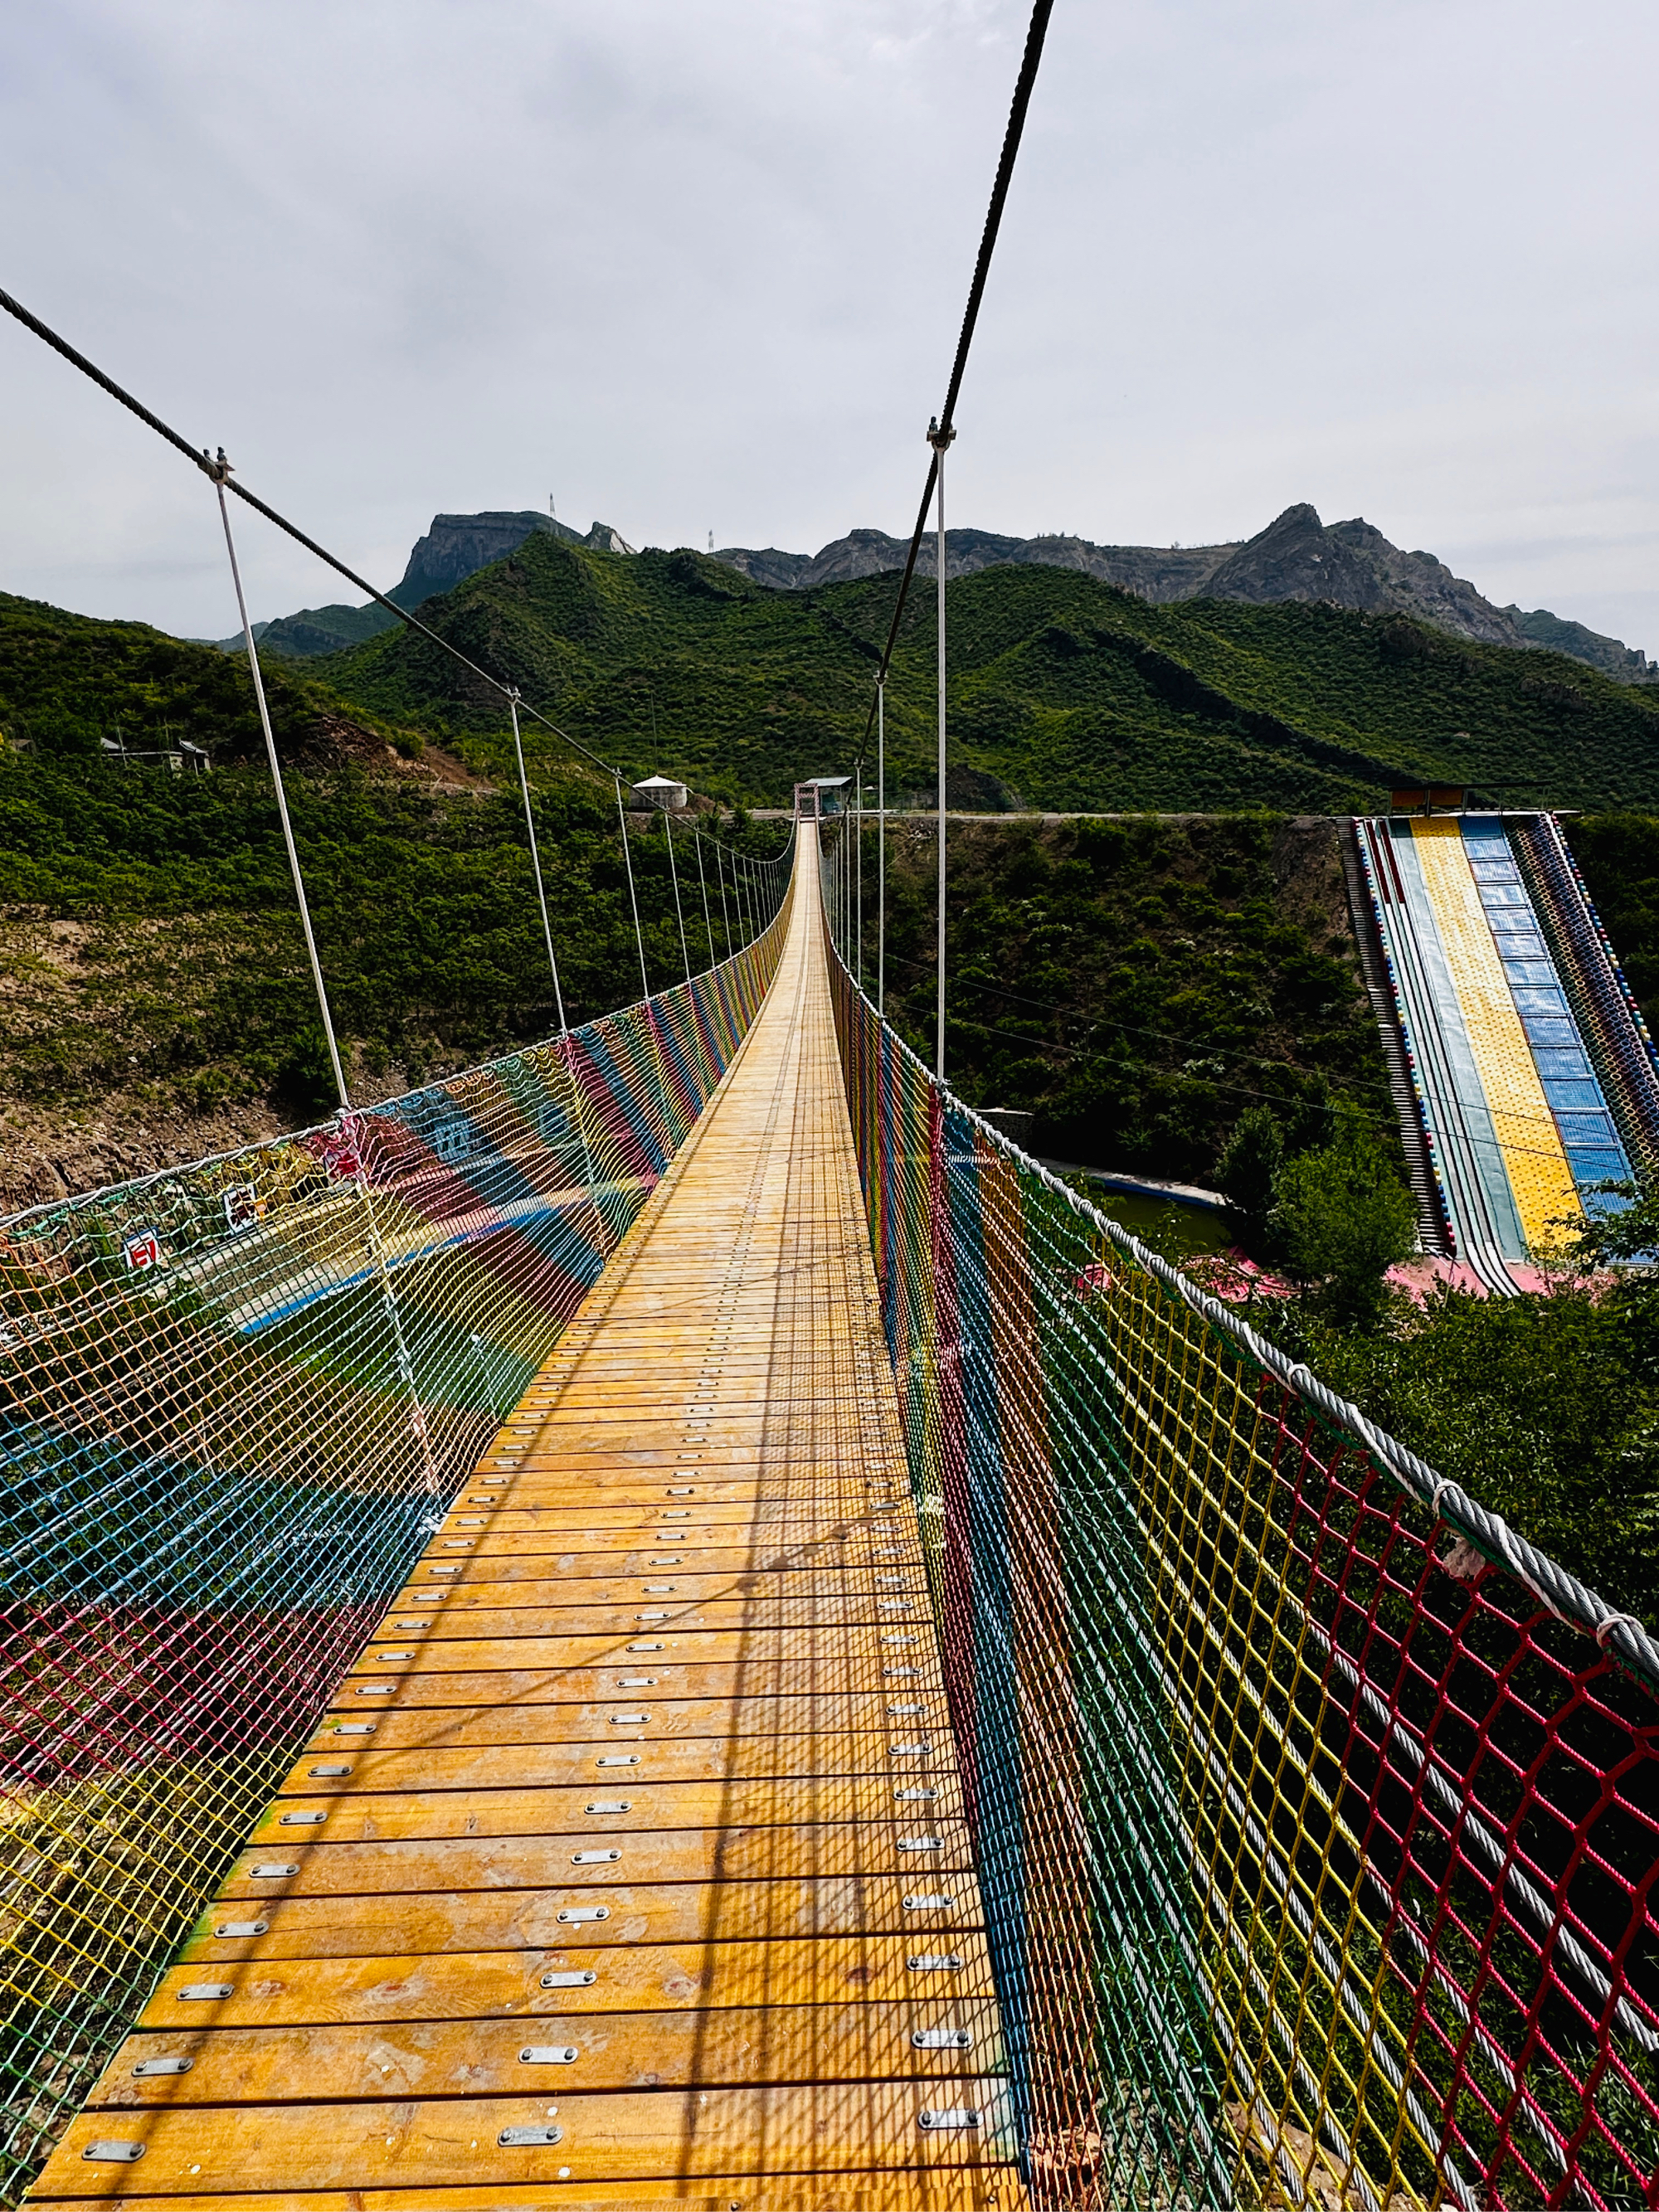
(1528, 1139)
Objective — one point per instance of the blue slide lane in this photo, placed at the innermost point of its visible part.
(1589, 1135)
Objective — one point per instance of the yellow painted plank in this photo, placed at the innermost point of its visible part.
(452, 1985)
(308, 1927)
(827, 2128)
(991, 2188)
(853, 2041)
(507, 1690)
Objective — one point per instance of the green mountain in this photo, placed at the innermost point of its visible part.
(1627, 662)
(1066, 693)
(71, 686)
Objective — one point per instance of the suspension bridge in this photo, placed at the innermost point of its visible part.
(670, 1619)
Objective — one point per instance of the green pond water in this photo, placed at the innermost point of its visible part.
(1177, 1231)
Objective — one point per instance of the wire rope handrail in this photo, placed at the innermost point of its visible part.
(235, 1400)
(1318, 1810)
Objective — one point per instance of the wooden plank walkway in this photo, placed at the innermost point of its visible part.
(630, 1864)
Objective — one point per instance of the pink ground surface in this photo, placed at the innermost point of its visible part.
(1417, 1278)
(1236, 1277)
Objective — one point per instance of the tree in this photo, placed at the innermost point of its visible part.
(1628, 1234)
(1248, 1168)
(1343, 1217)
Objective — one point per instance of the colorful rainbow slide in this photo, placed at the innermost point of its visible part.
(1524, 1108)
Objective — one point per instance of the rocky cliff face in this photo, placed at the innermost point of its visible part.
(1298, 556)
(1295, 557)
(1152, 570)
(458, 546)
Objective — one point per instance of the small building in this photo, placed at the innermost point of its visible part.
(660, 791)
(829, 789)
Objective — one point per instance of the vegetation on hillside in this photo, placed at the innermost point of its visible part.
(1545, 1407)
(68, 686)
(1617, 856)
(152, 949)
(1066, 693)
(1138, 984)
(1179, 998)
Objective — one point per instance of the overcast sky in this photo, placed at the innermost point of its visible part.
(699, 265)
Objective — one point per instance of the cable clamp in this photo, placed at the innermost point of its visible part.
(1618, 1620)
(938, 439)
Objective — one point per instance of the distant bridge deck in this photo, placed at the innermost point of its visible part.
(630, 1863)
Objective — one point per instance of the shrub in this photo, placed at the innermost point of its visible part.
(1342, 1218)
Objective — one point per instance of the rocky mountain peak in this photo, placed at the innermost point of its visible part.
(458, 546)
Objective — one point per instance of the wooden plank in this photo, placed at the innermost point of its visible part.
(447, 1985)
(668, 1640)
(512, 1690)
(457, 1717)
(537, 1862)
(988, 2189)
(856, 1575)
(826, 2128)
(844, 2042)
(627, 1556)
(931, 1909)
(820, 1753)
(638, 1612)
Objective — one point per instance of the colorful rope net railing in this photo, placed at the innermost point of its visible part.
(234, 1399)
(1317, 1813)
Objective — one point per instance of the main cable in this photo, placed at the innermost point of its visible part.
(944, 428)
(218, 472)
(941, 435)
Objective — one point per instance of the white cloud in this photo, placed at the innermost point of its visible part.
(703, 267)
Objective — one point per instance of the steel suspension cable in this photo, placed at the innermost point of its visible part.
(941, 431)
(375, 1242)
(857, 895)
(674, 877)
(881, 846)
(219, 471)
(633, 897)
(319, 987)
(945, 425)
(726, 917)
(703, 880)
(941, 438)
(536, 862)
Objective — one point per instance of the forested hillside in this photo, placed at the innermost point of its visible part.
(1140, 984)
(1066, 693)
(153, 989)
(70, 686)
